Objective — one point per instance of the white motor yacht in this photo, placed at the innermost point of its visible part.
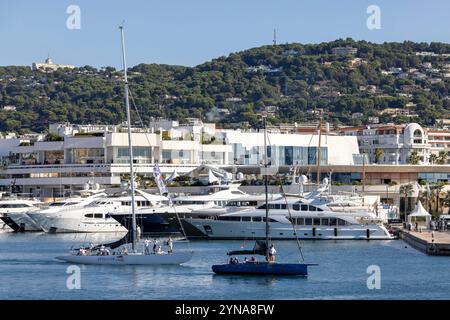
(96, 215)
(13, 215)
(43, 216)
(303, 219)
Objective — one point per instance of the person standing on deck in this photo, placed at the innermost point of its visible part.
(272, 253)
(170, 245)
(147, 246)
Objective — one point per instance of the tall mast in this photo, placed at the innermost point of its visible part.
(318, 153)
(266, 188)
(127, 103)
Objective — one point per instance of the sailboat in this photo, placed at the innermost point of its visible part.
(262, 247)
(100, 254)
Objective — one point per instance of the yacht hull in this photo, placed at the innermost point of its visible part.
(223, 230)
(22, 222)
(150, 224)
(262, 268)
(175, 258)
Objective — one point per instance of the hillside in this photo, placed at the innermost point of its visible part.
(295, 82)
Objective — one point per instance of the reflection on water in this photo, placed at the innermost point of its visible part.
(28, 270)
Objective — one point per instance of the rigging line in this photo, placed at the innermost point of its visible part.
(292, 222)
(148, 141)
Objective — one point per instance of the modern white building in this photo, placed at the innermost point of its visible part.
(73, 155)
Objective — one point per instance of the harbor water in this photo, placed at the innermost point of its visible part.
(28, 270)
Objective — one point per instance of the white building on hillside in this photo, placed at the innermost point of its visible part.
(77, 154)
(392, 144)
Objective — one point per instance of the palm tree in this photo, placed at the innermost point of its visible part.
(442, 158)
(447, 201)
(433, 158)
(437, 189)
(379, 153)
(414, 157)
(406, 190)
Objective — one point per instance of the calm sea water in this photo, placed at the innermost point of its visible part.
(28, 270)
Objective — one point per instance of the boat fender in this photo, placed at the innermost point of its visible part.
(368, 233)
(335, 232)
(314, 232)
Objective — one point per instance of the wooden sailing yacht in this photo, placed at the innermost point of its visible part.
(100, 254)
(262, 247)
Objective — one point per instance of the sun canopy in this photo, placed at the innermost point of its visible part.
(419, 211)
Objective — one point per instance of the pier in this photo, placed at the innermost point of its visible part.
(437, 244)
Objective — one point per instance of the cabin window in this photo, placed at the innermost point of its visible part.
(230, 218)
(301, 221)
(98, 215)
(304, 207)
(333, 221)
(325, 222)
(270, 220)
(296, 207)
(308, 221)
(89, 215)
(256, 219)
(262, 207)
(317, 221)
(283, 206)
(246, 219)
(342, 222)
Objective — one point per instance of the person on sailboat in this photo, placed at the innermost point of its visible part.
(147, 246)
(170, 245)
(272, 253)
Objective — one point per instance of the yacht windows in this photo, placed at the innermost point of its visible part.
(342, 222)
(229, 218)
(308, 221)
(325, 222)
(256, 219)
(276, 206)
(89, 215)
(333, 221)
(98, 216)
(270, 220)
(14, 205)
(300, 221)
(304, 207)
(317, 221)
(246, 219)
(296, 207)
(57, 204)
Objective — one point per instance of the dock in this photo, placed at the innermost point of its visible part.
(437, 245)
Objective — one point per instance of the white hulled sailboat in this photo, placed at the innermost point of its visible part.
(101, 254)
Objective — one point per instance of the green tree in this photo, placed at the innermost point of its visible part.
(379, 153)
(433, 158)
(414, 158)
(406, 190)
(442, 157)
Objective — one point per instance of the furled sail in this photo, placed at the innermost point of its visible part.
(260, 248)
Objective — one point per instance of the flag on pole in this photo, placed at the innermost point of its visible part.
(159, 180)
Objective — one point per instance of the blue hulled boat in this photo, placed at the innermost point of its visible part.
(263, 247)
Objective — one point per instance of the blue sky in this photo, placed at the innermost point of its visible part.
(189, 32)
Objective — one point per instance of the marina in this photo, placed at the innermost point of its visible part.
(232, 151)
(29, 270)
